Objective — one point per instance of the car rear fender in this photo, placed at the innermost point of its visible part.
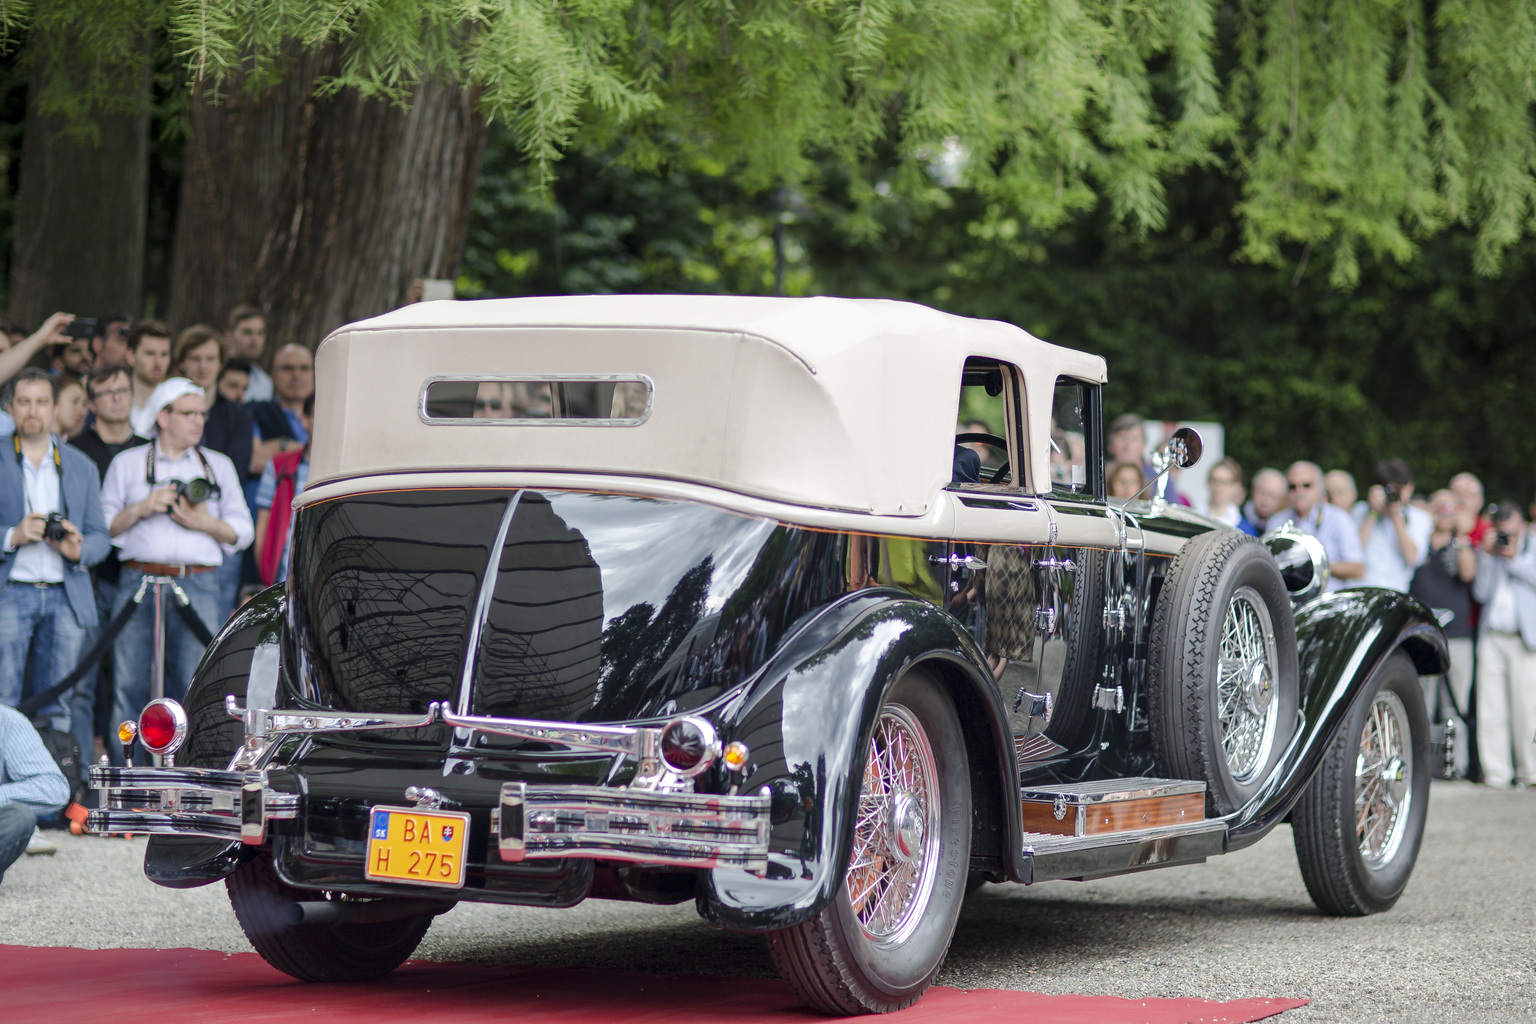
(184, 862)
(807, 722)
(1342, 639)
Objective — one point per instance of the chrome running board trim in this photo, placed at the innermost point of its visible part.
(1115, 853)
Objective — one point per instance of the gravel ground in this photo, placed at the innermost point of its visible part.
(1457, 947)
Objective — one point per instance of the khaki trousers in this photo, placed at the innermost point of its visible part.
(1506, 709)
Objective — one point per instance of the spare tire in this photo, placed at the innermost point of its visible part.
(1223, 676)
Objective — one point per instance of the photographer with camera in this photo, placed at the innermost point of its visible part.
(1506, 650)
(175, 510)
(1394, 534)
(54, 531)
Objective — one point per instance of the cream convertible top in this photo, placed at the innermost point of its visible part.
(830, 403)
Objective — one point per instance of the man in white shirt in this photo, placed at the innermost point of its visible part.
(1506, 650)
(1394, 534)
(46, 604)
(1328, 523)
(161, 528)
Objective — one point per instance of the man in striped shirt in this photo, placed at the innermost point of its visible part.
(30, 784)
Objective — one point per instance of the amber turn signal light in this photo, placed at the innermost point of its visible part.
(735, 756)
(126, 733)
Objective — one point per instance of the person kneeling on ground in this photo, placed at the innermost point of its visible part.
(30, 785)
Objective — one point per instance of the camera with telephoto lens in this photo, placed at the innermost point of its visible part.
(54, 528)
(196, 491)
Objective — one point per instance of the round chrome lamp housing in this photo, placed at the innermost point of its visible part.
(689, 745)
(1302, 560)
(162, 726)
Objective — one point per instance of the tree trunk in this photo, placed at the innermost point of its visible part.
(354, 199)
(232, 166)
(80, 209)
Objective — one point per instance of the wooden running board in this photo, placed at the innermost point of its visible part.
(1088, 809)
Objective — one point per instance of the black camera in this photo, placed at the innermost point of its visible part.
(81, 327)
(1501, 539)
(196, 491)
(54, 528)
(1393, 494)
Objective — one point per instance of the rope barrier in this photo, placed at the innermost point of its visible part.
(183, 605)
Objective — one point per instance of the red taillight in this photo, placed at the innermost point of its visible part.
(162, 726)
(688, 745)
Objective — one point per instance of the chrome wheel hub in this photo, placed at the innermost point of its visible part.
(906, 828)
(1245, 685)
(895, 856)
(1383, 780)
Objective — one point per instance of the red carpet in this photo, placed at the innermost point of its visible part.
(148, 986)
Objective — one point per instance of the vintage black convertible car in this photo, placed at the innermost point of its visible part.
(664, 598)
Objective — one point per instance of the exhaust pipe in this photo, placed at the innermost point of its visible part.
(369, 912)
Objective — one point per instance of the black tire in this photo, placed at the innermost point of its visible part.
(1340, 878)
(840, 965)
(1233, 746)
(310, 952)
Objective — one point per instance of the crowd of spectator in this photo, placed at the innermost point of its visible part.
(1471, 562)
(139, 454)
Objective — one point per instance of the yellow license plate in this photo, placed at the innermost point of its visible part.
(421, 847)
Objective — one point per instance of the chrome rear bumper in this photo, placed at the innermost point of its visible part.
(231, 805)
(671, 829)
(698, 830)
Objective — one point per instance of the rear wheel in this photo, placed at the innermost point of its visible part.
(315, 952)
(881, 941)
(1359, 823)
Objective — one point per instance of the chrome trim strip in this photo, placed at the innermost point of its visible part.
(1112, 790)
(483, 603)
(263, 723)
(612, 739)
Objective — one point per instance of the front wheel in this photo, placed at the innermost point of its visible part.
(315, 952)
(880, 942)
(1360, 821)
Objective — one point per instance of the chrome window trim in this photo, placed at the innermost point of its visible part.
(537, 378)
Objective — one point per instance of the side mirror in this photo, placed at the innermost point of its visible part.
(1184, 447)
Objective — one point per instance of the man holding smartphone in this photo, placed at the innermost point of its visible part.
(54, 531)
(1506, 651)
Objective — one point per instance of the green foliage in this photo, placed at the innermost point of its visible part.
(1425, 359)
(1357, 129)
(604, 226)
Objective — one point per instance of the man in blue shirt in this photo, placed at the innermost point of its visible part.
(30, 784)
(1328, 523)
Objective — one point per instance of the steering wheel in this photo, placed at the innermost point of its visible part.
(1001, 473)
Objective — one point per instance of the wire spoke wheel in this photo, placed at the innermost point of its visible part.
(1360, 822)
(879, 940)
(896, 836)
(1245, 684)
(1383, 768)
